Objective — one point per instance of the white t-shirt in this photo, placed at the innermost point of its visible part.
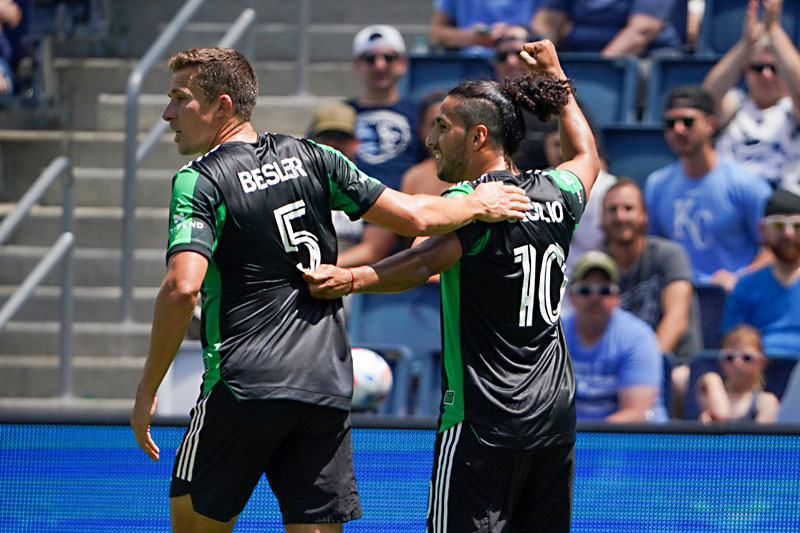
(764, 141)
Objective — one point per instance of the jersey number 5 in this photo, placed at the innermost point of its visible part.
(291, 238)
(527, 256)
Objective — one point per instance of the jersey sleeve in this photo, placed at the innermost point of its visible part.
(572, 190)
(196, 214)
(352, 191)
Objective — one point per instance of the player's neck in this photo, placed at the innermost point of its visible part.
(235, 131)
(484, 162)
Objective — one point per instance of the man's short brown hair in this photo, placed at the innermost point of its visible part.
(221, 71)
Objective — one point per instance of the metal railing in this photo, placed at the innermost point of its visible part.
(134, 153)
(60, 251)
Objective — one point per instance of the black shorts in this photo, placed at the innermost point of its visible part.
(477, 488)
(306, 452)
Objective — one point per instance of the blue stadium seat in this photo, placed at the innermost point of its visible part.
(407, 324)
(723, 19)
(607, 88)
(441, 71)
(666, 73)
(776, 376)
(636, 150)
(670, 362)
(712, 308)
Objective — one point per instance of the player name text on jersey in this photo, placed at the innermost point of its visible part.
(271, 174)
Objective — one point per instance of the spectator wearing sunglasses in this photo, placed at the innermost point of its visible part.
(737, 392)
(759, 126)
(386, 124)
(618, 364)
(708, 203)
(769, 298)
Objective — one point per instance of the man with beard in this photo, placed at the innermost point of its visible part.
(707, 203)
(504, 450)
(769, 299)
(655, 276)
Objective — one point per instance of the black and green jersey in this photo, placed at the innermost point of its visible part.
(257, 211)
(506, 368)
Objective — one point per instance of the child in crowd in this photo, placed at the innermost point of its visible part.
(739, 393)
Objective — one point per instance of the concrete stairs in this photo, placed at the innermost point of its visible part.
(108, 355)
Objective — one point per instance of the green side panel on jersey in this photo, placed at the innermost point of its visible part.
(453, 407)
(481, 244)
(341, 201)
(566, 180)
(180, 207)
(212, 293)
(222, 211)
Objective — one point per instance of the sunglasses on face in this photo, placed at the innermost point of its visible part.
(729, 356)
(779, 222)
(760, 67)
(502, 57)
(372, 58)
(688, 122)
(586, 289)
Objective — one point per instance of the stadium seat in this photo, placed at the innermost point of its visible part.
(636, 150)
(407, 323)
(441, 71)
(670, 362)
(668, 72)
(712, 308)
(790, 401)
(607, 88)
(776, 376)
(723, 19)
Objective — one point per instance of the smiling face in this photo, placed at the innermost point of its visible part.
(381, 68)
(189, 115)
(448, 143)
(624, 217)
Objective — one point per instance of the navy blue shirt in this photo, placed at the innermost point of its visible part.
(389, 141)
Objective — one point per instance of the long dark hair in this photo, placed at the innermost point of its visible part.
(498, 106)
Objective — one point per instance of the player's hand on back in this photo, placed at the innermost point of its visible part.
(328, 282)
(501, 201)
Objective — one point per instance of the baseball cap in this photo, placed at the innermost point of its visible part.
(691, 96)
(782, 202)
(378, 36)
(595, 260)
(334, 117)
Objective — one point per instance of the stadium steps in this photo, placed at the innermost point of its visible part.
(108, 355)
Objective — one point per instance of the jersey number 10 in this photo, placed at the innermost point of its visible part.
(527, 256)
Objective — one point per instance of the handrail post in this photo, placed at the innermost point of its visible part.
(67, 280)
(131, 130)
(303, 16)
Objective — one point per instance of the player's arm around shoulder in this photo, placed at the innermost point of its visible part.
(421, 214)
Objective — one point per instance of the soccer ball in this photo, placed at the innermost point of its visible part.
(372, 379)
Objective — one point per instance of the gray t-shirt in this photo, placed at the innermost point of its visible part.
(662, 262)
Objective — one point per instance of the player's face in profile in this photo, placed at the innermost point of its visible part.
(623, 216)
(447, 142)
(189, 116)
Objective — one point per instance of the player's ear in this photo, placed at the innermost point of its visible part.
(478, 136)
(225, 104)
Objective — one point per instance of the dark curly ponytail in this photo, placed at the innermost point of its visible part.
(499, 106)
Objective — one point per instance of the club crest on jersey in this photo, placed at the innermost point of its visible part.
(548, 212)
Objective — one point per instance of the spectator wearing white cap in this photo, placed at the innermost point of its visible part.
(386, 124)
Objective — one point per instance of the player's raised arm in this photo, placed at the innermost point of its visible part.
(577, 141)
